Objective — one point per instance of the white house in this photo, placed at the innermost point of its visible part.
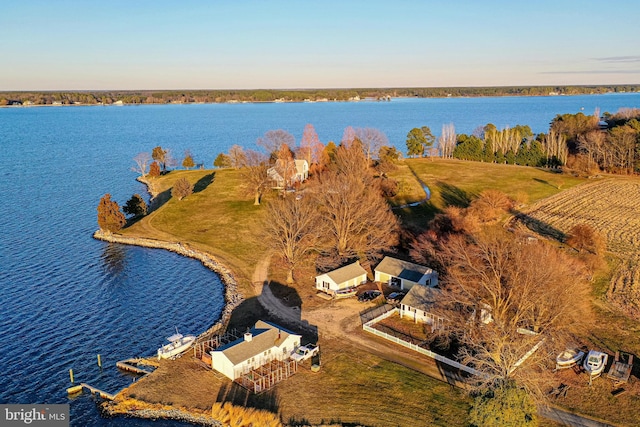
(404, 274)
(417, 306)
(345, 277)
(264, 343)
(301, 172)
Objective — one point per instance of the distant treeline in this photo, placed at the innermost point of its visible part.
(314, 95)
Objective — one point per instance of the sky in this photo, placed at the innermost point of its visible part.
(278, 44)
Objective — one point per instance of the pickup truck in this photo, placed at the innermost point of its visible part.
(305, 352)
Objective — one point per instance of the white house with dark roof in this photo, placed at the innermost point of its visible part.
(345, 277)
(404, 274)
(417, 305)
(262, 344)
(301, 173)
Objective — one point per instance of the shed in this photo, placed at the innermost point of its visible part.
(418, 304)
(345, 277)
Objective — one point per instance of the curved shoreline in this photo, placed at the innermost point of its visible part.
(232, 297)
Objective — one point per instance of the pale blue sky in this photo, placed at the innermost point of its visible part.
(157, 44)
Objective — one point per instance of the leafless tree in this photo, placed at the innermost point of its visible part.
(237, 157)
(285, 165)
(142, 162)
(254, 174)
(293, 227)
(371, 140)
(348, 136)
(181, 188)
(583, 237)
(555, 146)
(273, 139)
(360, 222)
(350, 160)
(501, 297)
(447, 141)
(310, 146)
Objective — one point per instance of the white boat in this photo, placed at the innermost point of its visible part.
(595, 363)
(568, 359)
(177, 344)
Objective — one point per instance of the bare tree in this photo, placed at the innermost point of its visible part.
(372, 140)
(254, 173)
(181, 188)
(273, 139)
(294, 228)
(237, 157)
(360, 222)
(555, 145)
(310, 146)
(348, 136)
(583, 237)
(285, 165)
(350, 160)
(501, 297)
(447, 141)
(142, 162)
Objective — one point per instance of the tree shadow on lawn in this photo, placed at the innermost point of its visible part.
(454, 196)
(239, 396)
(204, 182)
(539, 227)
(250, 311)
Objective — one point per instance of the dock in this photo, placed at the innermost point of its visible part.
(93, 390)
(131, 365)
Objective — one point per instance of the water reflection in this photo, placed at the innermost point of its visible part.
(114, 258)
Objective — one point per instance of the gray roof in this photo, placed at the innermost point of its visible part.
(347, 272)
(421, 297)
(402, 269)
(264, 337)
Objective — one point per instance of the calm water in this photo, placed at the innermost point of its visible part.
(66, 297)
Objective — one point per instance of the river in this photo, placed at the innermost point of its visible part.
(67, 297)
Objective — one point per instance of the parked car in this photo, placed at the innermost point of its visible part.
(395, 297)
(305, 352)
(369, 296)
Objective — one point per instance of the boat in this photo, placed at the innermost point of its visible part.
(568, 359)
(178, 343)
(595, 363)
(345, 293)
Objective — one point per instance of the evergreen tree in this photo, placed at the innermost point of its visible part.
(135, 206)
(110, 218)
(510, 157)
(500, 157)
(488, 154)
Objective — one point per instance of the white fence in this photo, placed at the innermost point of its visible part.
(369, 328)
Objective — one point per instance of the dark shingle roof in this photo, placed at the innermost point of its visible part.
(402, 269)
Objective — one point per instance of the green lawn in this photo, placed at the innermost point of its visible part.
(218, 217)
(458, 182)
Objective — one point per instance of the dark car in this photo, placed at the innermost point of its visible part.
(395, 297)
(369, 296)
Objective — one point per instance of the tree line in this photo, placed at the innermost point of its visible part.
(271, 95)
(587, 144)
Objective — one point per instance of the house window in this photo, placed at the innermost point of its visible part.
(325, 285)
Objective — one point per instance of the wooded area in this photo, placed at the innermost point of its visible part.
(272, 95)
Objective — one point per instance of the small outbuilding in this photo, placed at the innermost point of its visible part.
(343, 278)
(262, 344)
(404, 274)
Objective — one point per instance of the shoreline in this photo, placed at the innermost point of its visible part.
(232, 297)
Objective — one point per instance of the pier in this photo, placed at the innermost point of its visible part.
(131, 365)
(93, 390)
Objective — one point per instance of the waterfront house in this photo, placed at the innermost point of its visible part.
(343, 278)
(299, 172)
(263, 343)
(404, 274)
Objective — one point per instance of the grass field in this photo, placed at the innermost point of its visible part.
(217, 218)
(458, 182)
